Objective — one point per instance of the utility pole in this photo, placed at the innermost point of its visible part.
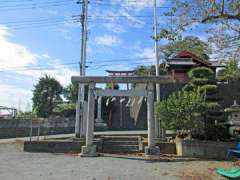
(80, 124)
(157, 127)
(156, 48)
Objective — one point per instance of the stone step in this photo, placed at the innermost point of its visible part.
(121, 138)
(120, 148)
(113, 142)
(121, 144)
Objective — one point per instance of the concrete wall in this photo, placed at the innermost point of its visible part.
(167, 147)
(11, 128)
(204, 149)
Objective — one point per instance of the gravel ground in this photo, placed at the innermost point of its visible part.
(17, 165)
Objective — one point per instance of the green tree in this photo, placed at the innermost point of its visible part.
(109, 86)
(232, 71)
(148, 71)
(46, 95)
(71, 92)
(189, 43)
(204, 79)
(143, 71)
(182, 110)
(222, 15)
(65, 110)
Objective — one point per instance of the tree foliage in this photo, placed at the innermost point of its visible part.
(204, 11)
(65, 110)
(204, 79)
(189, 43)
(71, 92)
(148, 71)
(223, 17)
(182, 110)
(109, 86)
(143, 71)
(231, 72)
(46, 94)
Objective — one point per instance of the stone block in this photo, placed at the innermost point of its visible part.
(89, 151)
(100, 126)
(152, 150)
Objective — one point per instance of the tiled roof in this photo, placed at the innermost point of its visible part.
(181, 61)
(185, 58)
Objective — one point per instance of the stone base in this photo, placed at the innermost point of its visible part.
(152, 150)
(89, 151)
(99, 125)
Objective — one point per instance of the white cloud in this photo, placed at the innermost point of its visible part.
(12, 57)
(107, 40)
(12, 96)
(139, 4)
(116, 28)
(147, 53)
(133, 21)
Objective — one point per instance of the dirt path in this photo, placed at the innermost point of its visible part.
(15, 164)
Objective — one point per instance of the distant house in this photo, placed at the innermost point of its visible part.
(179, 66)
(7, 113)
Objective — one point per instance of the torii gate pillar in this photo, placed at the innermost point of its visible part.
(90, 149)
(151, 148)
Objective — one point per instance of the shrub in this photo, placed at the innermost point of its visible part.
(216, 132)
(201, 72)
(65, 110)
(182, 110)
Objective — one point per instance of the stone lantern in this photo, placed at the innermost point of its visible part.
(234, 119)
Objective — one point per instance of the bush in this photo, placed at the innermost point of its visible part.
(65, 110)
(216, 132)
(181, 111)
(204, 79)
(201, 72)
(209, 89)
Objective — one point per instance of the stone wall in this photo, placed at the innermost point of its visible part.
(11, 128)
(204, 149)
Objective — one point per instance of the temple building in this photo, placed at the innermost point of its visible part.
(183, 62)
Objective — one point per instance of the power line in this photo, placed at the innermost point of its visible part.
(23, 1)
(73, 18)
(37, 67)
(92, 63)
(132, 5)
(37, 6)
(119, 60)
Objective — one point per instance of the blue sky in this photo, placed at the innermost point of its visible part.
(42, 37)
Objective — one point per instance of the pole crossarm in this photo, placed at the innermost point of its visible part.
(123, 79)
(121, 93)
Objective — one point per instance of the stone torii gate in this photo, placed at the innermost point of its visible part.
(89, 149)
